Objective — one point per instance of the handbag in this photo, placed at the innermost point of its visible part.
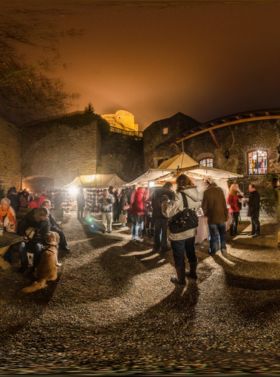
(183, 220)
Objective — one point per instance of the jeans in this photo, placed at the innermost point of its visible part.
(217, 237)
(32, 247)
(160, 236)
(137, 226)
(234, 224)
(180, 249)
(255, 224)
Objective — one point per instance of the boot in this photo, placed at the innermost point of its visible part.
(180, 279)
(192, 274)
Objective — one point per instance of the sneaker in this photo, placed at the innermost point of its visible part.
(255, 235)
(175, 281)
(138, 239)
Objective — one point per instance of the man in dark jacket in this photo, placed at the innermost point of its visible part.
(34, 227)
(160, 221)
(254, 209)
(215, 209)
(55, 227)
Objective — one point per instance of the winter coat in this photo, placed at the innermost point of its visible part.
(106, 204)
(157, 201)
(41, 228)
(233, 202)
(8, 219)
(169, 209)
(214, 205)
(138, 200)
(254, 204)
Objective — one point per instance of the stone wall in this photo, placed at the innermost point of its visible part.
(79, 144)
(61, 149)
(158, 137)
(235, 143)
(121, 154)
(10, 155)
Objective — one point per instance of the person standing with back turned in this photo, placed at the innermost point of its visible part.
(183, 243)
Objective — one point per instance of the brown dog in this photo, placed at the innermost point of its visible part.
(47, 268)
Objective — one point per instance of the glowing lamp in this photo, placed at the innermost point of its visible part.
(151, 184)
(73, 190)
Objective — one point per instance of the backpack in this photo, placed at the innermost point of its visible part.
(183, 220)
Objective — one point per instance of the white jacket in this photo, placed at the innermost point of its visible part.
(170, 209)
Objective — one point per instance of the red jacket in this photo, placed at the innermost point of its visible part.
(138, 200)
(232, 201)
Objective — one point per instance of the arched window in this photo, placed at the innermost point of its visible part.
(257, 162)
(207, 162)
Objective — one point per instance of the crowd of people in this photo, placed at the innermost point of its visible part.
(170, 216)
(144, 209)
(29, 215)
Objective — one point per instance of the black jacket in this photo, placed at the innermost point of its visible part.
(254, 204)
(157, 199)
(41, 228)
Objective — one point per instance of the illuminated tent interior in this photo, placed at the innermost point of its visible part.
(97, 181)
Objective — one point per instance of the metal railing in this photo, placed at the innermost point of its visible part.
(138, 134)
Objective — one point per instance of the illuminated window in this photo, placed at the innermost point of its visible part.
(257, 162)
(165, 131)
(207, 162)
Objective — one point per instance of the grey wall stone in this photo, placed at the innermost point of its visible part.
(10, 155)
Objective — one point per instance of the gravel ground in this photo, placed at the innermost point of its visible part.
(113, 309)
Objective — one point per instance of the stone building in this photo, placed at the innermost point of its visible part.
(245, 143)
(50, 154)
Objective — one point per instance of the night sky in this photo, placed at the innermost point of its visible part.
(203, 58)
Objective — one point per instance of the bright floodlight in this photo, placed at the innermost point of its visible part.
(73, 190)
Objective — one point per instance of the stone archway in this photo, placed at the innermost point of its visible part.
(38, 183)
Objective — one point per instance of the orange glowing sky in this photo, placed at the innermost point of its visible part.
(203, 58)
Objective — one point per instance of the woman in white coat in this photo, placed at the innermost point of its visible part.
(183, 244)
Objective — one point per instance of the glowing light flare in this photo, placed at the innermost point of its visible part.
(73, 191)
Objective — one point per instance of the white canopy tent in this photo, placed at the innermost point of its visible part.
(180, 161)
(150, 175)
(97, 181)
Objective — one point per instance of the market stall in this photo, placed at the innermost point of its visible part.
(93, 186)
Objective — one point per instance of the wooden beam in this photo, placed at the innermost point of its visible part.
(211, 132)
(227, 124)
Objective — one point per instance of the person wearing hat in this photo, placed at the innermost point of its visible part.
(215, 209)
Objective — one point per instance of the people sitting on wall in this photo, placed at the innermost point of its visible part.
(12, 195)
(159, 220)
(215, 209)
(137, 210)
(80, 204)
(55, 227)
(254, 209)
(7, 216)
(234, 201)
(34, 227)
(106, 206)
